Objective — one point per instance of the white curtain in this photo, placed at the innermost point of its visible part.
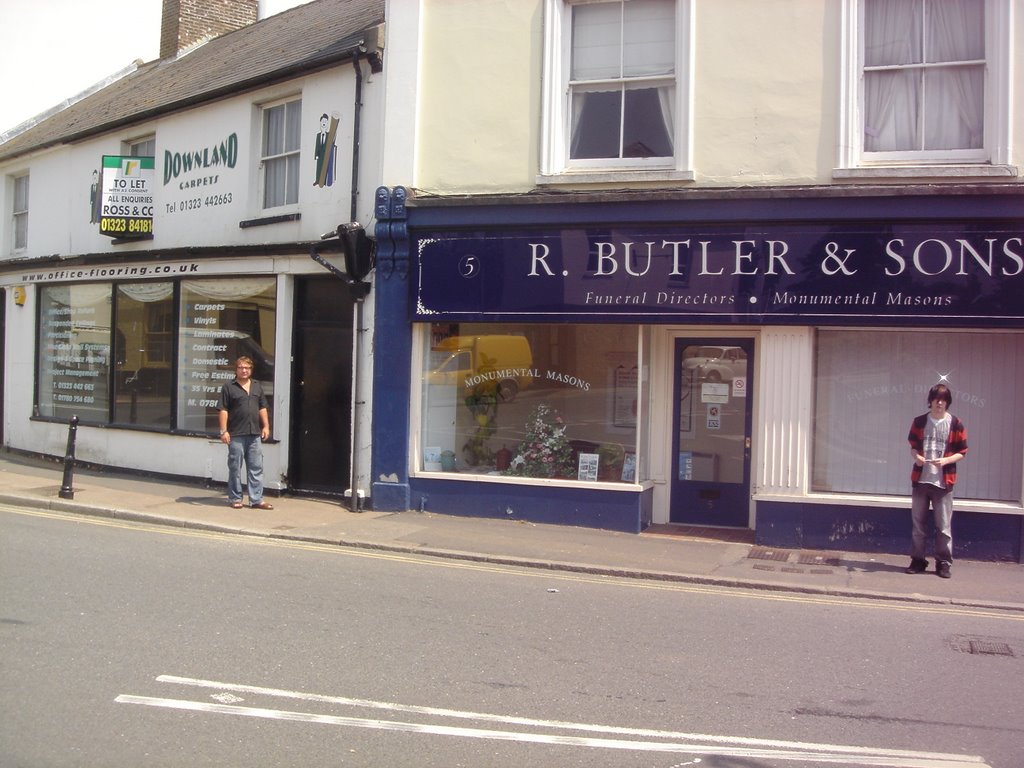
(147, 292)
(234, 289)
(923, 108)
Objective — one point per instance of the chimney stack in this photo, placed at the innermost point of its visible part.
(187, 22)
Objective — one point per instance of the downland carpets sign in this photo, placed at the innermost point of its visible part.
(126, 196)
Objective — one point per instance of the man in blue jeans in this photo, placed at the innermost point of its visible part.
(244, 424)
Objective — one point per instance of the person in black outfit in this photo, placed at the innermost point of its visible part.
(244, 424)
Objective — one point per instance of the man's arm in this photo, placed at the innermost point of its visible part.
(264, 424)
(222, 420)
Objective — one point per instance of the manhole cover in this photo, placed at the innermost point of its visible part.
(764, 553)
(980, 645)
(990, 648)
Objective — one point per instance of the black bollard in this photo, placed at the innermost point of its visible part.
(67, 487)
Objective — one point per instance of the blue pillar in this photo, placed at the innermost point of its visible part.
(389, 462)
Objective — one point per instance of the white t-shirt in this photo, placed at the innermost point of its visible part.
(936, 435)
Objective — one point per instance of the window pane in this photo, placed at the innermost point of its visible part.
(145, 148)
(291, 192)
(143, 346)
(596, 41)
(596, 121)
(294, 125)
(649, 34)
(892, 32)
(955, 30)
(273, 131)
(870, 386)
(73, 369)
(21, 194)
(891, 111)
(220, 321)
(531, 400)
(645, 133)
(275, 174)
(954, 108)
(20, 231)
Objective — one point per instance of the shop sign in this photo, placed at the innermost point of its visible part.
(845, 274)
(198, 174)
(126, 197)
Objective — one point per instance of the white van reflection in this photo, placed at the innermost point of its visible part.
(498, 364)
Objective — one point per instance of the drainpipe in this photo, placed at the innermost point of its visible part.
(357, 113)
(357, 309)
(359, 259)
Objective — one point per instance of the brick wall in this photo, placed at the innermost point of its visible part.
(187, 22)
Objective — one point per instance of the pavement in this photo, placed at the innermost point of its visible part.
(666, 553)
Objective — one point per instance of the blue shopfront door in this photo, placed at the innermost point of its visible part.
(711, 436)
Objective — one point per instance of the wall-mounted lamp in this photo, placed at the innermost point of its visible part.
(358, 251)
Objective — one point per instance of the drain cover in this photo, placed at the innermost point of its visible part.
(763, 553)
(820, 558)
(979, 645)
(990, 648)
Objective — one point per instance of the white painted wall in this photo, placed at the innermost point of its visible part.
(59, 226)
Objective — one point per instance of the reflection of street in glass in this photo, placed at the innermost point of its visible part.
(714, 363)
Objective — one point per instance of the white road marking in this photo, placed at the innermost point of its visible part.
(668, 741)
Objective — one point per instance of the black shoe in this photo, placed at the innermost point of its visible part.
(917, 565)
(943, 570)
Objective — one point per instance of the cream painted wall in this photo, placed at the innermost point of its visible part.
(479, 113)
(765, 96)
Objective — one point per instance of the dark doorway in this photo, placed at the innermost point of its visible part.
(711, 441)
(321, 419)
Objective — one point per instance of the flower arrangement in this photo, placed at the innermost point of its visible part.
(545, 452)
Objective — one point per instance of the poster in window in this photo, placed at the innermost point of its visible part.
(626, 380)
(588, 466)
(74, 352)
(220, 321)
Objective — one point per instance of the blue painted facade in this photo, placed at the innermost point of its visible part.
(406, 280)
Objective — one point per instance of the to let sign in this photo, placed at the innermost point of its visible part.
(126, 196)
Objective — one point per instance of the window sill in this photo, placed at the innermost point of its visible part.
(265, 220)
(471, 477)
(614, 177)
(925, 171)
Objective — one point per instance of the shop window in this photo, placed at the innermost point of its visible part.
(539, 401)
(279, 159)
(220, 321)
(615, 95)
(870, 386)
(143, 353)
(145, 341)
(929, 82)
(19, 213)
(73, 369)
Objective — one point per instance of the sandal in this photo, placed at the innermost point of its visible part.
(263, 505)
(236, 505)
